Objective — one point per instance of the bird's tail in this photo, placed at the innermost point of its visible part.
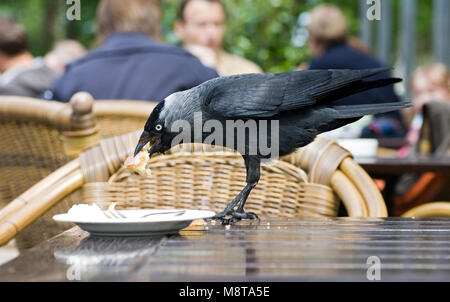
(345, 83)
(355, 111)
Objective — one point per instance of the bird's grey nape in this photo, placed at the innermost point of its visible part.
(181, 106)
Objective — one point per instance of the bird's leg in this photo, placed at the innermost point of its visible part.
(230, 207)
(252, 164)
(239, 213)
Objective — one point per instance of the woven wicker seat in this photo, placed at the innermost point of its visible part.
(210, 180)
(189, 178)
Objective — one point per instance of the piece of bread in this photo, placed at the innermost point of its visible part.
(139, 163)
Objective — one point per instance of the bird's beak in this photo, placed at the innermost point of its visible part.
(154, 149)
(143, 140)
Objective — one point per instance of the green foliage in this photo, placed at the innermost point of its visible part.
(260, 30)
(269, 25)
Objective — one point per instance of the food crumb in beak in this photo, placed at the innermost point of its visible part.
(138, 163)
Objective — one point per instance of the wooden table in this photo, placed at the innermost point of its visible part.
(288, 250)
(397, 166)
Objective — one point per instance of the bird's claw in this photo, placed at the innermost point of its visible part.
(223, 214)
(235, 216)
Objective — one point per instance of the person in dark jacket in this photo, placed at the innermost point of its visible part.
(131, 63)
(21, 74)
(329, 44)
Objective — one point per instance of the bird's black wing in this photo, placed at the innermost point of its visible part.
(246, 95)
(265, 95)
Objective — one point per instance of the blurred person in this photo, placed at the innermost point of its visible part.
(352, 41)
(428, 83)
(201, 27)
(130, 62)
(331, 47)
(63, 53)
(358, 44)
(21, 74)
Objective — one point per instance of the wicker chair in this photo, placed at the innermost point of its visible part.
(189, 178)
(331, 165)
(40, 136)
(117, 117)
(37, 138)
(432, 209)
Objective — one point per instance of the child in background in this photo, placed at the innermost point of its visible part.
(431, 83)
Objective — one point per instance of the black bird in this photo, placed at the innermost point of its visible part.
(298, 100)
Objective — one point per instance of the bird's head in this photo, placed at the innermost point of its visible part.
(154, 131)
(179, 106)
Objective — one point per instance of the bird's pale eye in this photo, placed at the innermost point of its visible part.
(158, 127)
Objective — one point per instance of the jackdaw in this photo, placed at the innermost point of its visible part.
(298, 101)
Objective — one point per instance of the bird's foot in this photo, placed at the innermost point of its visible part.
(235, 216)
(223, 214)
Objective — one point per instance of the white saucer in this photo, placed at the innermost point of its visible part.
(134, 225)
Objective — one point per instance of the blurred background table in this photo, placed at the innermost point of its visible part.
(432, 175)
(287, 250)
(388, 166)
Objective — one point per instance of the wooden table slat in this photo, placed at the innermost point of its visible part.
(283, 250)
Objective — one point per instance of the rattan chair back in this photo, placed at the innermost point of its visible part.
(202, 179)
(37, 137)
(118, 117)
(40, 136)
